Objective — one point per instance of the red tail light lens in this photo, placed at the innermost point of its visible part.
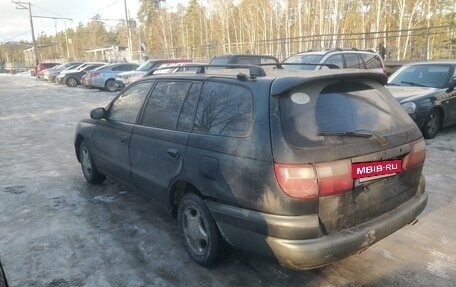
(304, 181)
(334, 177)
(416, 156)
(298, 181)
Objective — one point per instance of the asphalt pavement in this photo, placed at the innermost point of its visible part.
(57, 230)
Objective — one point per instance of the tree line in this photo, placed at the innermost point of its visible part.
(201, 29)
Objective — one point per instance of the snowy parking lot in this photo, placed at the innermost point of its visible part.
(57, 230)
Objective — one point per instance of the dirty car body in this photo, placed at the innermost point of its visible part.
(306, 167)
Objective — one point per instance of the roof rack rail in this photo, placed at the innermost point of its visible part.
(254, 70)
(280, 65)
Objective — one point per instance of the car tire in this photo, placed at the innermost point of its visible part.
(90, 171)
(432, 124)
(71, 82)
(110, 85)
(200, 234)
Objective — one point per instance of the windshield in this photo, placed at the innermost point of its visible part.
(345, 112)
(426, 75)
(303, 59)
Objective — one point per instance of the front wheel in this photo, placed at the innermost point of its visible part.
(91, 174)
(432, 124)
(201, 236)
(71, 82)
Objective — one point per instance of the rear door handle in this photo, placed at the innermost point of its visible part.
(123, 140)
(173, 152)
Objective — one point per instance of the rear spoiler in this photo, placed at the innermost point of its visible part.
(284, 84)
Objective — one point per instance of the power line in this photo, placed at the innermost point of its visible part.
(13, 37)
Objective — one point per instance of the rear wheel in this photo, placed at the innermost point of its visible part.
(200, 234)
(91, 174)
(432, 124)
(111, 85)
(71, 82)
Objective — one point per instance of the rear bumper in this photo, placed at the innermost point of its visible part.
(305, 246)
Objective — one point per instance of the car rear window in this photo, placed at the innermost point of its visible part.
(320, 114)
(303, 59)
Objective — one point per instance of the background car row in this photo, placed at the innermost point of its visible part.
(426, 90)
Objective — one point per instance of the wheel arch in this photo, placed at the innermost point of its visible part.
(442, 114)
(77, 146)
(109, 79)
(177, 190)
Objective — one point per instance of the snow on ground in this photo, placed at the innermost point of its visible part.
(56, 230)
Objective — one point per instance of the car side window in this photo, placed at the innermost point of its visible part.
(372, 61)
(268, 61)
(336, 60)
(248, 60)
(126, 107)
(187, 115)
(164, 105)
(351, 60)
(224, 109)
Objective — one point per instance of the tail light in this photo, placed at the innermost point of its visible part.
(304, 181)
(416, 156)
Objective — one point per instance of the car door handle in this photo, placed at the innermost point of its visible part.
(123, 140)
(173, 152)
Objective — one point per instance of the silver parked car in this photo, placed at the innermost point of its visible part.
(104, 77)
(51, 74)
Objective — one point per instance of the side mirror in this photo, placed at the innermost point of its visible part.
(98, 114)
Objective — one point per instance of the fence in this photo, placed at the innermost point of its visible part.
(412, 44)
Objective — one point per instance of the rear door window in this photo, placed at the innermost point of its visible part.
(335, 60)
(372, 61)
(164, 105)
(352, 61)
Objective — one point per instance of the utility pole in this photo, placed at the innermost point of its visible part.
(21, 5)
(130, 44)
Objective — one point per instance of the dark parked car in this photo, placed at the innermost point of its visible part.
(307, 167)
(3, 281)
(72, 78)
(427, 92)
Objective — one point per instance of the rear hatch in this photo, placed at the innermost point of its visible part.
(344, 140)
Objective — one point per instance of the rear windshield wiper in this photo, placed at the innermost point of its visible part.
(347, 133)
(357, 133)
(413, 84)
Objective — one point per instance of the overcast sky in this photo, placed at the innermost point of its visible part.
(15, 23)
